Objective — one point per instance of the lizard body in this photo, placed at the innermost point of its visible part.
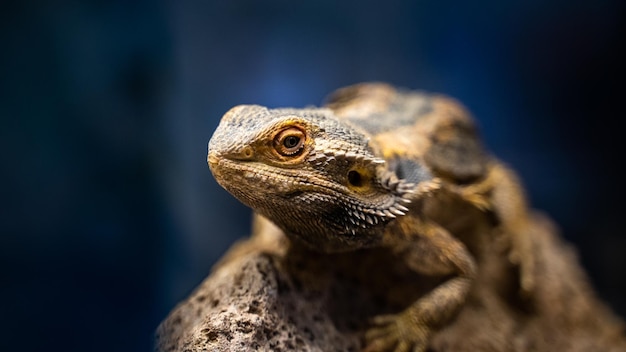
(379, 166)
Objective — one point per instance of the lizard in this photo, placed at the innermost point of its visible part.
(378, 165)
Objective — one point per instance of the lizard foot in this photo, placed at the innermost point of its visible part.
(396, 333)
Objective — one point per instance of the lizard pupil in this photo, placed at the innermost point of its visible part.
(291, 142)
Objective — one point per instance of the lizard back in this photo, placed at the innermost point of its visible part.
(415, 132)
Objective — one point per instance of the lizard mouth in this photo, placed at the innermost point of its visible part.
(236, 173)
(213, 160)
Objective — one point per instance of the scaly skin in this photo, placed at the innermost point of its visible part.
(378, 166)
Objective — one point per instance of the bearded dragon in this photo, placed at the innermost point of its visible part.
(379, 166)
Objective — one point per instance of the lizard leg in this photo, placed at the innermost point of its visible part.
(501, 192)
(510, 205)
(437, 252)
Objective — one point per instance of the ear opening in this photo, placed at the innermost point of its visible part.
(355, 178)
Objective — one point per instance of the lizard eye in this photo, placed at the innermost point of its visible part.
(290, 141)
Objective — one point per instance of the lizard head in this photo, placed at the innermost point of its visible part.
(314, 176)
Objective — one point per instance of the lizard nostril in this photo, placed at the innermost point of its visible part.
(247, 152)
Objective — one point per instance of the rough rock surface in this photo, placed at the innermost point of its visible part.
(269, 295)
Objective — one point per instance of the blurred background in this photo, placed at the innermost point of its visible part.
(109, 214)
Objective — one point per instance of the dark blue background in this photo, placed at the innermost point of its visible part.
(109, 213)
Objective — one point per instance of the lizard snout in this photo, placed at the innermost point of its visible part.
(212, 158)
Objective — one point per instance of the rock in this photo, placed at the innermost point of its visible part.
(268, 294)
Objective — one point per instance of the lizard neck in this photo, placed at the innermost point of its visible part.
(326, 230)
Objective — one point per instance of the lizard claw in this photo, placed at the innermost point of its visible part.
(395, 333)
(526, 266)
